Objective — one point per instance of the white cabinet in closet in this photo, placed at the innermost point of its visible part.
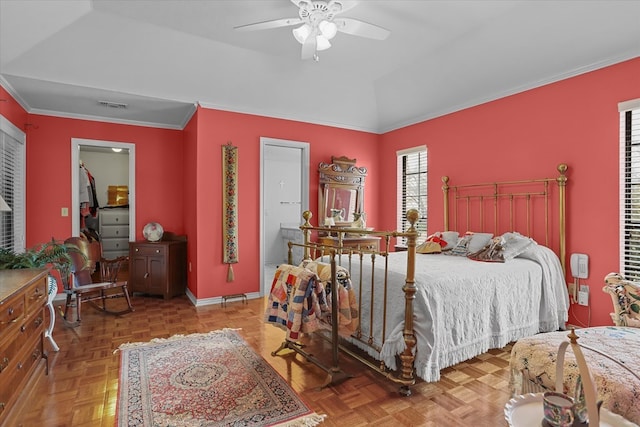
(114, 232)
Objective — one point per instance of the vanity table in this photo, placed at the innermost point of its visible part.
(369, 243)
(341, 192)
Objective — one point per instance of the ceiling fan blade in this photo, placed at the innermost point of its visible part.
(309, 47)
(360, 28)
(267, 25)
(346, 4)
(297, 2)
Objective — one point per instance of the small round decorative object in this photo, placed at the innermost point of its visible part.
(153, 232)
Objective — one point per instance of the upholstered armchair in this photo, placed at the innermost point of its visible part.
(625, 296)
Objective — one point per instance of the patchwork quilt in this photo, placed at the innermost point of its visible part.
(294, 301)
(300, 298)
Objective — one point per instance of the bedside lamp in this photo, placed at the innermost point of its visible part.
(4, 207)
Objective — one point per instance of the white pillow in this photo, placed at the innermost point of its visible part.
(514, 244)
(451, 237)
(461, 248)
(478, 241)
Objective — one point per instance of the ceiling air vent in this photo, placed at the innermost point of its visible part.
(110, 104)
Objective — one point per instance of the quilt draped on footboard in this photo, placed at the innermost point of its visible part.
(294, 301)
(300, 299)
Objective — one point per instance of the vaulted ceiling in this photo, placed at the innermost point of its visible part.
(161, 58)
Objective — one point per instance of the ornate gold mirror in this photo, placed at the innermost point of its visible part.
(341, 193)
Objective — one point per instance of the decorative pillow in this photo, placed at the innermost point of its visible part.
(437, 237)
(492, 252)
(479, 241)
(429, 247)
(462, 246)
(451, 237)
(515, 244)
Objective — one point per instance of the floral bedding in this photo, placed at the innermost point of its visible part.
(534, 359)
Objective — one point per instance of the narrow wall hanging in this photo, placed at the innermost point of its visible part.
(230, 206)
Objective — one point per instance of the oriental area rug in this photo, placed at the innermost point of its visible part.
(212, 379)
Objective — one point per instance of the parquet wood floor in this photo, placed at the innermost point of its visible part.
(81, 388)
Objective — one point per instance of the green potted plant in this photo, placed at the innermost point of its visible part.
(53, 253)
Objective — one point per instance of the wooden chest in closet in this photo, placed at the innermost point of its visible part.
(23, 295)
(114, 232)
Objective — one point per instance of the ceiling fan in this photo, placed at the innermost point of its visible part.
(320, 24)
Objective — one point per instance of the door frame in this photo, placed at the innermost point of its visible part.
(75, 183)
(304, 176)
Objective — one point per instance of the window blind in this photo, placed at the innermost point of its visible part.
(412, 189)
(12, 185)
(630, 189)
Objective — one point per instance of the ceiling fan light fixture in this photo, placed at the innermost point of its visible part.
(322, 43)
(302, 33)
(328, 29)
(317, 24)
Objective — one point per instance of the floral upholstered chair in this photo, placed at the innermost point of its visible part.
(625, 295)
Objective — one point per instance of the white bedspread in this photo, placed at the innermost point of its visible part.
(463, 307)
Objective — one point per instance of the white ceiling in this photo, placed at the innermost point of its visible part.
(164, 57)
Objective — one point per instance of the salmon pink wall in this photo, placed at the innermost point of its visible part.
(190, 198)
(574, 121)
(178, 178)
(216, 128)
(159, 173)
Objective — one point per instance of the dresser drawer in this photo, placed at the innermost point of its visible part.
(115, 245)
(109, 231)
(11, 312)
(12, 377)
(35, 296)
(25, 333)
(149, 250)
(114, 217)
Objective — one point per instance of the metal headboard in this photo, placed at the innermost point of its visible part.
(478, 203)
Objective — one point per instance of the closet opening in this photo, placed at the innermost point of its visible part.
(103, 193)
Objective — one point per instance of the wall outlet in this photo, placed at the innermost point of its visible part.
(583, 295)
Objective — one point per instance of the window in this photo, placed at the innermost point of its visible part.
(12, 184)
(630, 188)
(412, 189)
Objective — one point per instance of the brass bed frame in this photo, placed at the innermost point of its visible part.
(463, 212)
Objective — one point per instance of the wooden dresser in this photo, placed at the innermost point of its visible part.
(23, 295)
(158, 268)
(370, 243)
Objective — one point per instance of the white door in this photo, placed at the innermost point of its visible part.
(285, 195)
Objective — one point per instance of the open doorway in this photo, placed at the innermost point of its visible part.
(100, 152)
(284, 195)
